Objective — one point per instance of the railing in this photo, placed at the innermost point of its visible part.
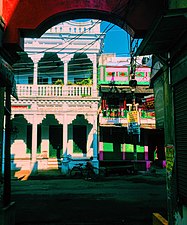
(26, 90)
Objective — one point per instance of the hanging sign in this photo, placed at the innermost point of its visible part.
(133, 120)
(133, 117)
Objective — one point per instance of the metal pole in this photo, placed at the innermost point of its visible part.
(135, 151)
(7, 170)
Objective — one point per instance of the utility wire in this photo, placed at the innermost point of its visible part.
(69, 41)
(107, 29)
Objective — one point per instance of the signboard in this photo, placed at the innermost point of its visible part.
(133, 128)
(20, 106)
(133, 119)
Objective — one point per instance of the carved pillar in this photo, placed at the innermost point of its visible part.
(65, 162)
(34, 166)
(70, 139)
(45, 141)
(35, 59)
(34, 119)
(65, 72)
(65, 136)
(65, 59)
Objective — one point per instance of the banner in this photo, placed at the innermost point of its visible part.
(133, 117)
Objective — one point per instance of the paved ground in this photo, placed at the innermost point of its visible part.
(115, 200)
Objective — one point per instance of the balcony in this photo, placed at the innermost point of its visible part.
(29, 90)
(114, 117)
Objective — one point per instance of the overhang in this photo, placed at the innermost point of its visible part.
(165, 33)
(125, 89)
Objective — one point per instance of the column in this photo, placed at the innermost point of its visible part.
(123, 151)
(93, 58)
(65, 136)
(45, 141)
(101, 154)
(35, 59)
(65, 72)
(65, 58)
(70, 139)
(95, 143)
(148, 164)
(34, 140)
(146, 152)
(65, 161)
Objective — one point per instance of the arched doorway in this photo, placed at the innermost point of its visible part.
(132, 16)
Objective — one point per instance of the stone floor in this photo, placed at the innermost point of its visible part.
(47, 198)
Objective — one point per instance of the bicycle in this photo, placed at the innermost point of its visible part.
(78, 171)
(87, 172)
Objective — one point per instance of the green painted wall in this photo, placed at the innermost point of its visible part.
(107, 147)
(173, 4)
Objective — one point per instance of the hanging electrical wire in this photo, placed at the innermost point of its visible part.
(69, 41)
(86, 47)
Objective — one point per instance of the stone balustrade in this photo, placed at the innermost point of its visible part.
(29, 90)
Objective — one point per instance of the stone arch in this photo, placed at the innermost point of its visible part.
(49, 64)
(20, 127)
(81, 67)
(80, 119)
(133, 16)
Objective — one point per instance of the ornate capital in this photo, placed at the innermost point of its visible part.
(36, 58)
(65, 57)
(34, 118)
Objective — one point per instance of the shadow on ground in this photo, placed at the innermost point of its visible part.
(50, 199)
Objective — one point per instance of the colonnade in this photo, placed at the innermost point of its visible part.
(65, 58)
(66, 119)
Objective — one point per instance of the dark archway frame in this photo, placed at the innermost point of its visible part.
(32, 18)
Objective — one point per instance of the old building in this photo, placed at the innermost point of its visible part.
(56, 114)
(118, 146)
(63, 102)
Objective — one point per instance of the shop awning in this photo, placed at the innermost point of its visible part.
(168, 31)
(125, 89)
